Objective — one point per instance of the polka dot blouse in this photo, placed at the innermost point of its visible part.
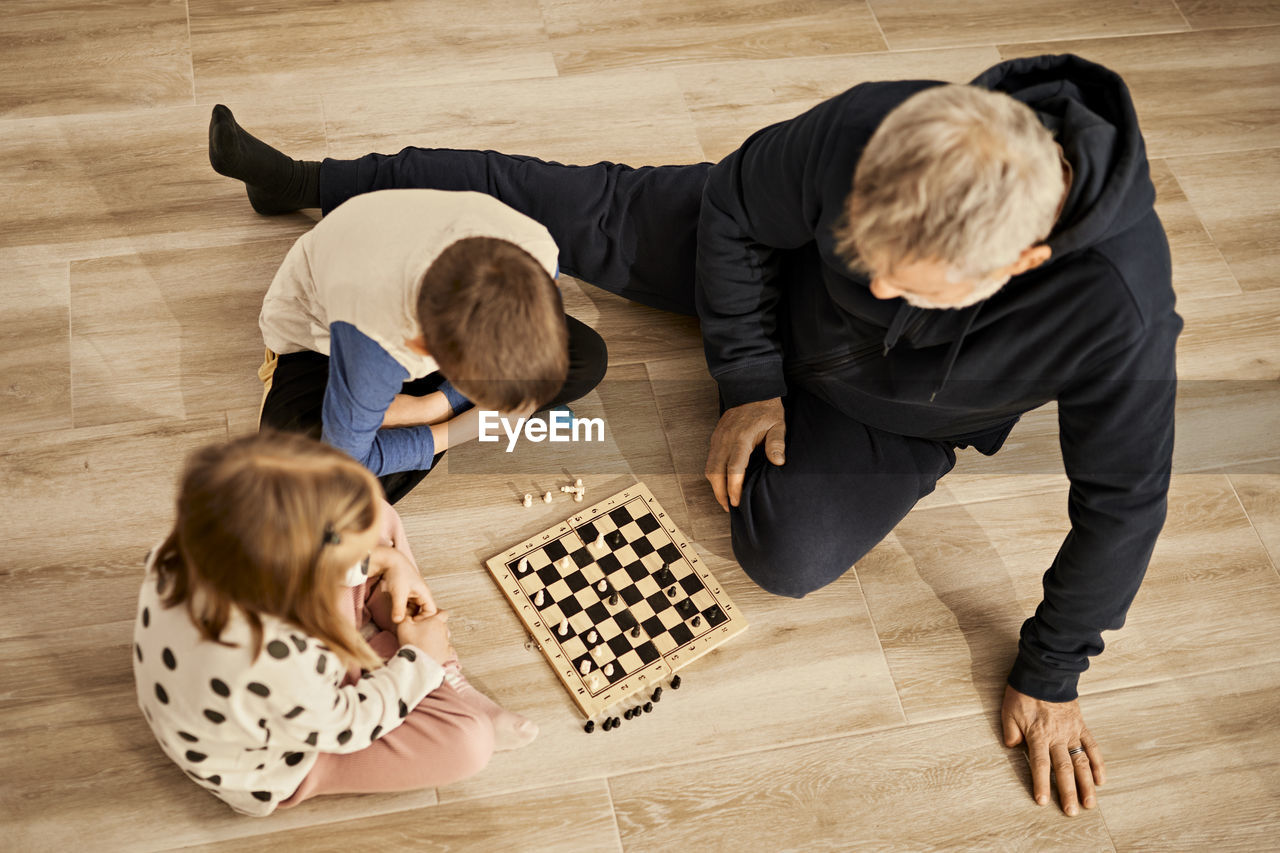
(249, 731)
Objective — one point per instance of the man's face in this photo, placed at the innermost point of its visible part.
(931, 284)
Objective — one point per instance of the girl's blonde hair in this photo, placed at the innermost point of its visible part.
(956, 174)
(268, 523)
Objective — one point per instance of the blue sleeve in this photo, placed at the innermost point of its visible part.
(363, 380)
(457, 402)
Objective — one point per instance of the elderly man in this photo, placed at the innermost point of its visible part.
(900, 271)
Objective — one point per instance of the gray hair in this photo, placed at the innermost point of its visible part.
(956, 174)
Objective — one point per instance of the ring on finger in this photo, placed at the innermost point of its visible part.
(1075, 750)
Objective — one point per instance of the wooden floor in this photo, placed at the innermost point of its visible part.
(863, 717)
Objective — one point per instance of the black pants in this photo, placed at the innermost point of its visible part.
(633, 232)
(297, 391)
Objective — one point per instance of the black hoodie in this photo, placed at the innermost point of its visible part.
(1094, 329)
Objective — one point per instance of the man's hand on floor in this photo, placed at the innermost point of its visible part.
(739, 431)
(1051, 730)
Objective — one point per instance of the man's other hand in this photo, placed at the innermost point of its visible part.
(739, 431)
(1051, 731)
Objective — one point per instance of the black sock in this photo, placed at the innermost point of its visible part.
(275, 183)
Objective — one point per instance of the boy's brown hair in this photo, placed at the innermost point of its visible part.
(493, 321)
(270, 524)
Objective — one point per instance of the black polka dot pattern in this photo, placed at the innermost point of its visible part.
(277, 650)
(299, 642)
(214, 716)
(292, 758)
(188, 737)
(195, 757)
(407, 654)
(215, 779)
(161, 695)
(297, 709)
(344, 736)
(377, 730)
(258, 689)
(321, 663)
(218, 686)
(146, 617)
(168, 658)
(138, 651)
(362, 696)
(313, 739)
(264, 796)
(404, 709)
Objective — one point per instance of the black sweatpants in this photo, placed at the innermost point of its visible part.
(296, 398)
(633, 232)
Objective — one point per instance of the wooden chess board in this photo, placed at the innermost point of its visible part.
(625, 600)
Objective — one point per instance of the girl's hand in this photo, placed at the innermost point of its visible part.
(403, 583)
(431, 635)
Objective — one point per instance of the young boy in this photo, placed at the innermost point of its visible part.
(400, 310)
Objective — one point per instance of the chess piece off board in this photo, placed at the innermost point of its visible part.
(616, 598)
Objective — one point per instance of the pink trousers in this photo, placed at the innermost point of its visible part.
(442, 740)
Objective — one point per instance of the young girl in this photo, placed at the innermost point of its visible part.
(286, 646)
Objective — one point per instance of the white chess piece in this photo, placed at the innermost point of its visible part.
(546, 499)
(528, 501)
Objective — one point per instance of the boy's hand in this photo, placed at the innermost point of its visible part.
(403, 583)
(408, 410)
(455, 431)
(431, 635)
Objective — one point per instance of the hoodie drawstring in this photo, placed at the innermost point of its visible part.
(954, 352)
(900, 320)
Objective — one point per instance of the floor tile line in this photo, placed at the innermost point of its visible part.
(191, 51)
(1261, 542)
(871, 620)
(613, 812)
(880, 29)
(1154, 33)
(1203, 225)
(1182, 14)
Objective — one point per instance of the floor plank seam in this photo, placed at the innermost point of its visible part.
(1261, 542)
(666, 440)
(703, 759)
(613, 811)
(1200, 220)
(975, 501)
(871, 620)
(876, 20)
(191, 51)
(1186, 21)
(1107, 691)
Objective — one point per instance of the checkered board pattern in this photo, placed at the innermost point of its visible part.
(668, 610)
